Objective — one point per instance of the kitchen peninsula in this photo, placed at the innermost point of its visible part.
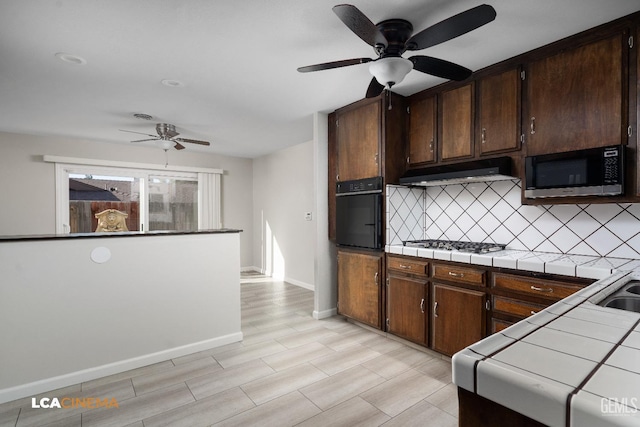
(82, 306)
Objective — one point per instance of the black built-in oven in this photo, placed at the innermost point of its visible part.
(359, 213)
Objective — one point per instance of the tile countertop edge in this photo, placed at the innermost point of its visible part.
(585, 267)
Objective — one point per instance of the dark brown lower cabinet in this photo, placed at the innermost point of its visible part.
(458, 318)
(477, 411)
(359, 290)
(407, 301)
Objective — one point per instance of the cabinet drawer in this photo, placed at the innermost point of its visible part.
(457, 274)
(543, 288)
(498, 325)
(408, 265)
(515, 307)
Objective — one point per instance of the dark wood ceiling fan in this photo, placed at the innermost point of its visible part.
(392, 37)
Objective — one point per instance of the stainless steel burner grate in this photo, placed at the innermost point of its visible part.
(450, 245)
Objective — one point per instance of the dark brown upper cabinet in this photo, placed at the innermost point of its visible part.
(358, 141)
(370, 136)
(422, 131)
(577, 98)
(498, 128)
(456, 121)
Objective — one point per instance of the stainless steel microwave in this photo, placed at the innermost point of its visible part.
(591, 172)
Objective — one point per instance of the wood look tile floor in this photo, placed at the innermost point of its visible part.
(290, 370)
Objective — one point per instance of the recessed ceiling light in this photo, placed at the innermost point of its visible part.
(71, 59)
(172, 83)
(142, 116)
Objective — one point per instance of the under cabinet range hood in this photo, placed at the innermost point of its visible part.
(494, 169)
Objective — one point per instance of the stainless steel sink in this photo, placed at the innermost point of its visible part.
(626, 298)
(624, 303)
(635, 289)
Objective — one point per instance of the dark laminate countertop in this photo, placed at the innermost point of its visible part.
(118, 234)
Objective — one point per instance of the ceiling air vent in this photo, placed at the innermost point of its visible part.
(142, 116)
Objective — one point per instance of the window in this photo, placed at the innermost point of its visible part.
(173, 204)
(91, 194)
(153, 199)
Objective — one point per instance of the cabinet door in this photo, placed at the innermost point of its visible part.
(499, 112)
(575, 99)
(458, 318)
(359, 278)
(422, 131)
(406, 307)
(358, 139)
(457, 123)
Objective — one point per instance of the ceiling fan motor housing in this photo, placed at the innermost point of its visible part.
(397, 32)
(166, 130)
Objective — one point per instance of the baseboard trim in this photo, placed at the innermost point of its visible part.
(299, 283)
(49, 384)
(324, 313)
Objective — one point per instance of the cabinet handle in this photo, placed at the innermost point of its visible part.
(451, 273)
(533, 125)
(405, 267)
(435, 309)
(376, 158)
(431, 146)
(537, 289)
(375, 278)
(408, 160)
(533, 312)
(422, 306)
(484, 135)
(338, 177)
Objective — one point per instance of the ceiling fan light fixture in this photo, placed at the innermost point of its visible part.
(391, 70)
(165, 144)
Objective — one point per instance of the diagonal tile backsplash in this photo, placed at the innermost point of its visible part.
(492, 212)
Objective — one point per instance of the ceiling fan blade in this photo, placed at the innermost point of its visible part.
(374, 88)
(143, 140)
(130, 131)
(440, 68)
(334, 64)
(358, 22)
(192, 141)
(452, 27)
(178, 146)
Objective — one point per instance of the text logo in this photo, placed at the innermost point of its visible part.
(615, 406)
(73, 402)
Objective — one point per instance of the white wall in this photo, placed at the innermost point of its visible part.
(326, 269)
(28, 191)
(66, 317)
(283, 191)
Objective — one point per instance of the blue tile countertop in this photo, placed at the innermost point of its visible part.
(573, 359)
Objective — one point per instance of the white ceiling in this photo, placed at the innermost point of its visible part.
(237, 60)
